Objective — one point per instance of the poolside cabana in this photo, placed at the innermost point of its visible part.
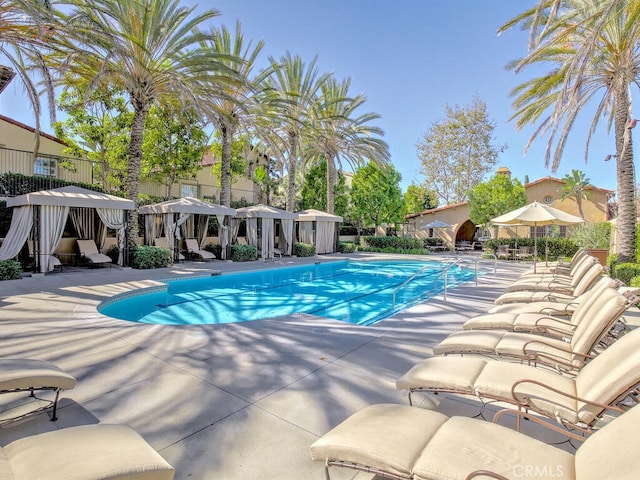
(260, 221)
(320, 229)
(43, 215)
(189, 215)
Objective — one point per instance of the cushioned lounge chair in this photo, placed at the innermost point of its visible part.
(556, 306)
(83, 453)
(26, 375)
(543, 323)
(409, 443)
(89, 252)
(566, 293)
(561, 283)
(557, 353)
(194, 249)
(557, 267)
(576, 402)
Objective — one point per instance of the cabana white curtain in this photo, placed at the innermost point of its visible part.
(287, 229)
(21, 223)
(305, 230)
(114, 218)
(267, 238)
(325, 237)
(82, 219)
(172, 227)
(223, 233)
(52, 221)
(252, 231)
(152, 224)
(203, 226)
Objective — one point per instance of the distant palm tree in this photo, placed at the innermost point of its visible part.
(154, 50)
(575, 185)
(291, 91)
(229, 109)
(595, 49)
(337, 135)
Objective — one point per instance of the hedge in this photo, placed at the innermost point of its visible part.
(558, 247)
(304, 250)
(145, 257)
(347, 247)
(243, 253)
(626, 271)
(395, 243)
(10, 270)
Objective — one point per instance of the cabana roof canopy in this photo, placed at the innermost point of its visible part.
(312, 215)
(71, 196)
(264, 211)
(187, 205)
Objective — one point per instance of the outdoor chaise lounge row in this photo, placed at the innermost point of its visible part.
(570, 368)
(82, 452)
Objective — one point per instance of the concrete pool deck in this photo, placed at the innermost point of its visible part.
(224, 402)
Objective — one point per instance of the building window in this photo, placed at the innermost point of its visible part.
(189, 190)
(46, 167)
(548, 199)
(548, 231)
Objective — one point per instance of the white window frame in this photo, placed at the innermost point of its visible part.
(189, 190)
(45, 167)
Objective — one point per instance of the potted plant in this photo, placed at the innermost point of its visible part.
(595, 237)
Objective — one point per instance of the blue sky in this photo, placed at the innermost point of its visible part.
(409, 58)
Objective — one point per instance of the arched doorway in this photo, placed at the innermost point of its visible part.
(466, 231)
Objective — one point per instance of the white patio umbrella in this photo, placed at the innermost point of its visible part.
(536, 214)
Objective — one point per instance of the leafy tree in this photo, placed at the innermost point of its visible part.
(314, 189)
(376, 197)
(457, 151)
(418, 198)
(499, 195)
(173, 146)
(575, 185)
(591, 52)
(97, 127)
(153, 50)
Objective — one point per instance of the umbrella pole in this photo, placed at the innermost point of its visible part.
(535, 246)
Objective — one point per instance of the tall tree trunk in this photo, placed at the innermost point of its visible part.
(331, 184)
(225, 166)
(140, 111)
(291, 172)
(625, 175)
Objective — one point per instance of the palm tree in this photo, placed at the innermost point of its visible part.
(228, 109)
(575, 185)
(337, 136)
(595, 48)
(291, 91)
(24, 30)
(154, 50)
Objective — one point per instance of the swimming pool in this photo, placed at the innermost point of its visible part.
(355, 292)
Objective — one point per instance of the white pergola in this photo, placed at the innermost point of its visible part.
(45, 213)
(175, 213)
(267, 216)
(319, 228)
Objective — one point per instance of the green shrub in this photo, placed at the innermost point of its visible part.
(626, 271)
(592, 235)
(558, 247)
(243, 253)
(393, 243)
(304, 250)
(347, 247)
(635, 282)
(215, 249)
(10, 270)
(432, 242)
(145, 257)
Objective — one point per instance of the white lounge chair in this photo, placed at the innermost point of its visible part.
(89, 252)
(27, 375)
(114, 452)
(194, 249)
(409, 443)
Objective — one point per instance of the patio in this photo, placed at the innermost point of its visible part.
(235, 401)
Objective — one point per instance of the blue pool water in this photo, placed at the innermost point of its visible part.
(355, 292)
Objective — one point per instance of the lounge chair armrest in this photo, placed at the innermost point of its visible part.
(485, 473)
(553, 331)
(540, 421)
(556, 320)
(557, 311)
(523, 400)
